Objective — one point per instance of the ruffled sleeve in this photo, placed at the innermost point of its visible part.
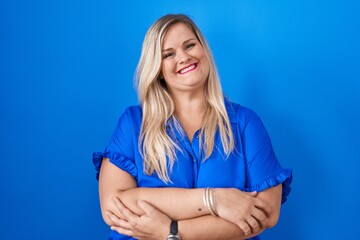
(284, 177)
(123, 143)
(118, 160)
(263, 170)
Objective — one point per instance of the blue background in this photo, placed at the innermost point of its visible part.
(66, 74)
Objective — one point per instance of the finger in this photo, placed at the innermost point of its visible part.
(119, 206)
(244, 227)
(146, 207)
(263, 206)
(260, 216)
(254, 224)
(123, 224)
(129, 215)
(107, 217)
(123, 231)
(118, 222)
(114, 219)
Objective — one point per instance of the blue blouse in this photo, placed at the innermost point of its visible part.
(252, 166)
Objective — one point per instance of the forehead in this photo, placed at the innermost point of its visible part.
(176, 35)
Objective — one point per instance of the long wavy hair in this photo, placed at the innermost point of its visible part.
(155, 145)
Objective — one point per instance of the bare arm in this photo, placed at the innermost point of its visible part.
(178, 204)
(273, 197)
(155, 225)
(225, 229)
(229, 198)
(113, 182)
(209, 227)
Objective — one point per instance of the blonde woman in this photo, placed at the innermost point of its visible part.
(187, 163)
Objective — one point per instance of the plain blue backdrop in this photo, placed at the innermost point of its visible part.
(66, 74)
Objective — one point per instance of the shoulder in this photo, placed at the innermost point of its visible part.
(131, 116)
(134, 111)
(239, 114)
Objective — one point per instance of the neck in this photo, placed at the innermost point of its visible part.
(187, 104)
(190, 111)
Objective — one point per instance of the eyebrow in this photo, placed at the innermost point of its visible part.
(185, 42)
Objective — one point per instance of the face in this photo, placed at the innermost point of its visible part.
(185, 66)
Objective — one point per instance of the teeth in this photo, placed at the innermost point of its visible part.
(188, 68)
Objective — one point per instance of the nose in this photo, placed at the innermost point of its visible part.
(182, 57)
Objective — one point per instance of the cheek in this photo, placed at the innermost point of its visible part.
(205, 60)
(166, 68)
(206, 65)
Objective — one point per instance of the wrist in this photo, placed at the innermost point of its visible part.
(220, 194)
(209, 199)
(174, 231)
(165, 229)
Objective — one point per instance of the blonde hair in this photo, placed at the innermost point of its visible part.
(155, 144)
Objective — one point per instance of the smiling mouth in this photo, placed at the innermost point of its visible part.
(188, 68)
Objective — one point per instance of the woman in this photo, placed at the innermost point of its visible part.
(186, 156)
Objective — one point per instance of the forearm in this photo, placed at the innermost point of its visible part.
(183, 205)
(211, 228)
(177, 203)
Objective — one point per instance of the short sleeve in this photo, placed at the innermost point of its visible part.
(263, 170)
(118, 160)
(120, 149)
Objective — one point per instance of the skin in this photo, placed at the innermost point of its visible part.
(234, 207)
(181, 49)
(146, 213)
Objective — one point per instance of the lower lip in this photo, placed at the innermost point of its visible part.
(190, 70)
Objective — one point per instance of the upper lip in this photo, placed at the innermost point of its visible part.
(187, 66)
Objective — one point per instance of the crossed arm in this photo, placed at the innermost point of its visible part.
(130, 210)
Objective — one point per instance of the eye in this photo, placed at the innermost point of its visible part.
(190, 46)
(168, 55)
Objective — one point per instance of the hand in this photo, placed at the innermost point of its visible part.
(242, 208)
(153, 224)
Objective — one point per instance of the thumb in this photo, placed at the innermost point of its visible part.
(146, 207)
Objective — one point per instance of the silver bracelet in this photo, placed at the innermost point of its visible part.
(208, 200)
(212, 201)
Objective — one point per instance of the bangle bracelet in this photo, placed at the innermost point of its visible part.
(212, 201)
(208, 200)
